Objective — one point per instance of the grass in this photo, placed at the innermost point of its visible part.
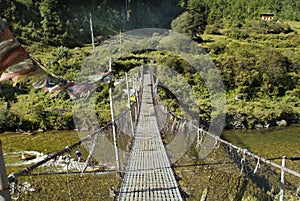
(196, 180)
(47, 142)
(294, 25)
(262, 39)
(221, 180)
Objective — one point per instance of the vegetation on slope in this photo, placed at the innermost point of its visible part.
(258, 60)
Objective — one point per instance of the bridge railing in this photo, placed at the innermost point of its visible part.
(85, 170)
(271, 180)
(227, 173)
(64, 174)
(285, 182)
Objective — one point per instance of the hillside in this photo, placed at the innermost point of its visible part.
(258, 60)
(66, 23)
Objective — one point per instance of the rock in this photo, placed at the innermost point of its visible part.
(239, 125)
(271, 122)
(267, 125)
(26, 156)
(204, 194)
(258, 126)
(281, 123)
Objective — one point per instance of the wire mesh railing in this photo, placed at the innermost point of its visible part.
(85, 170)
(228, 172)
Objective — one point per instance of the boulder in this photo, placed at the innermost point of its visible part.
(282, 123)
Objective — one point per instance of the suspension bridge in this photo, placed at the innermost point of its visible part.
(149, 175)
(228, 173)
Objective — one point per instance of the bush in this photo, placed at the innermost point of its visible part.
(236, 34)
(212, 29)
(39, 110)
(3, 112)
(192, 24)
(295, 39)
(266, 27)
(60, 53)
(218, 47)
(274, 28)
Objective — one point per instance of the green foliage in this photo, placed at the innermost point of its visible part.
(212, 29)
(155, 13)
(60, 53)
(217, 47)
(65, 62)
(255, 70)
(191, 24)
(258, 60)
(263, 111)
(274, 67)
(242, 10)
(51, 24)
(40, 110)
(295, 39)
(266, 27)
(236, 34)
(3, 113)
(67, 23)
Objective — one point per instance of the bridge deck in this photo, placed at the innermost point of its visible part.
(148, 175)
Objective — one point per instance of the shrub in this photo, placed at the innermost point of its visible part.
(266, 27)
(218, 47)
(237, 34)
(212, 29)
(295, 39)
(60, 53)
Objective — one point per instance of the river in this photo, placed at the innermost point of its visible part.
(267, 143)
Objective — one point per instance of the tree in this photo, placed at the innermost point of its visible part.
(274, 69)
(52, 23)
(193, 21)
(191, 24)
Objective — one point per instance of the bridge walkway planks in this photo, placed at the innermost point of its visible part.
(148, 175)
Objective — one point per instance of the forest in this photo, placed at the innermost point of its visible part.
(258, 59)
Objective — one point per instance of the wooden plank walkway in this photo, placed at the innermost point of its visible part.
(148, 175)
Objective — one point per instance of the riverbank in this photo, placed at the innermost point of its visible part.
(263, 112)
(271, 142)
(207, 176)
(232, 122)
(274, 142)
(243, 122)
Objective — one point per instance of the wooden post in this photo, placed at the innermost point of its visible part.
(138, 92)
(128, 99)
(120, 43)
(135, 98)
(4, 188)
(92, 32)
(113, 122)
(127, 8)
(136, 88)
(282, 179)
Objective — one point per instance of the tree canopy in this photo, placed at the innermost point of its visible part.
(258, 60)
(66, 23)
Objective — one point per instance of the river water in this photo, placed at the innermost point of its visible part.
(269, 143)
